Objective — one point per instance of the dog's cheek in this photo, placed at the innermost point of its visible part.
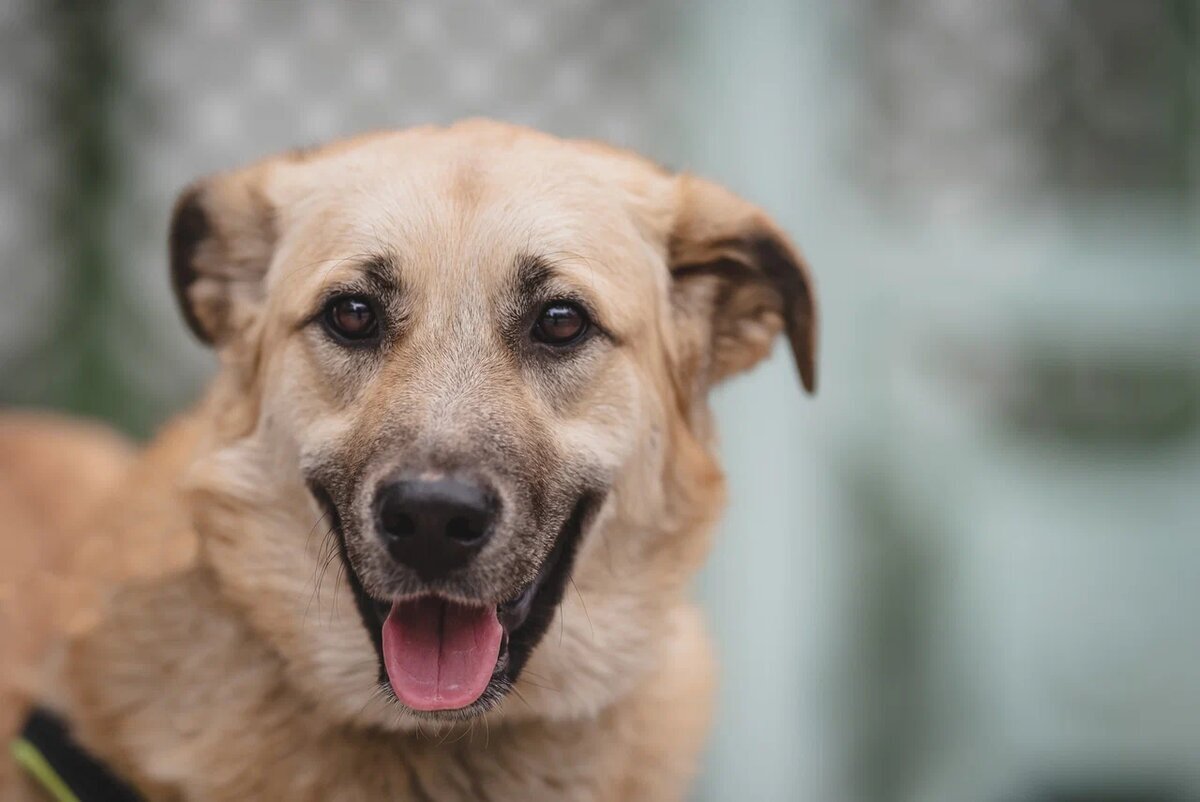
(623, 433)
(313, 396)
(618, 451)
(306, 424)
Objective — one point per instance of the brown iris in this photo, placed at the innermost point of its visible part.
(560, 323)
(351, 317)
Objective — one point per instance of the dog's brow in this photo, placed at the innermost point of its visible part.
(380, 272)
(372, 274)
(533, 274)
(375, 274)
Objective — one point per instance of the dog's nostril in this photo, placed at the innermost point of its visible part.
(461, 529)
(434, 526)
(395, 523)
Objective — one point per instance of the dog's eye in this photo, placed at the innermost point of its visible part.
(351, 317)
(560, 323)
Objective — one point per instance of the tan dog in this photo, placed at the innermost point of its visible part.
(429, 534)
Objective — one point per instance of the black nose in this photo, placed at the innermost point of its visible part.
(434, 526)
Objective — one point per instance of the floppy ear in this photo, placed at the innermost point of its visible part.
(221, 240)
(738, 282)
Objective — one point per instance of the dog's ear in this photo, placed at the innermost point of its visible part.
(738, 282)
(221, 240)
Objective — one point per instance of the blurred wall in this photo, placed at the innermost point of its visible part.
(969, 566)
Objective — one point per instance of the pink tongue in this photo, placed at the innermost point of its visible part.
(440, 655)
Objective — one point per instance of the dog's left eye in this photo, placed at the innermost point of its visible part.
(351, 317)
(561, 323)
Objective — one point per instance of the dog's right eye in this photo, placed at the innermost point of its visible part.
(351, 317)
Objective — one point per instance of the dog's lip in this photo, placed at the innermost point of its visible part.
(515, 612)
(512, 613)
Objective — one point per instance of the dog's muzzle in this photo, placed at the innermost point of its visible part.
(448, 655)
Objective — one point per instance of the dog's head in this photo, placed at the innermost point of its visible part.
(467, 369)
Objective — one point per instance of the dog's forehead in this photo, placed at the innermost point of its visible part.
(449, 211)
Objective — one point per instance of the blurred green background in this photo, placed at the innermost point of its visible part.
(970, 569)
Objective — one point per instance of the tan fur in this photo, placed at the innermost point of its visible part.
(54, 474)
(227, 664)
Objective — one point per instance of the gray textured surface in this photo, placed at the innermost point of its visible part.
(201, 87)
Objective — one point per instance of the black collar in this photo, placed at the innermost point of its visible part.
(62, 767)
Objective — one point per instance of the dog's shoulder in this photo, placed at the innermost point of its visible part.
(54, 472)
(80, 509)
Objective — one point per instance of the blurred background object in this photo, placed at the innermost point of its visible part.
(968, 571)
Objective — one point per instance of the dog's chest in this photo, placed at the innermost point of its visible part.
(497, 766)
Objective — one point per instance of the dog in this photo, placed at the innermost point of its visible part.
(428, 534)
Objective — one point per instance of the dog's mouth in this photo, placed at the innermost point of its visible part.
(440, 655)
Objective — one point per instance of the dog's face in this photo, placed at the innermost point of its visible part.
(477, 357)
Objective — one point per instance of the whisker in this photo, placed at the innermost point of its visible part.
(521, 696)
(540, 686)
(583, 604)
(462, 734)
(313, 528)
(330, 551)
(337, 584)
(371, 697)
